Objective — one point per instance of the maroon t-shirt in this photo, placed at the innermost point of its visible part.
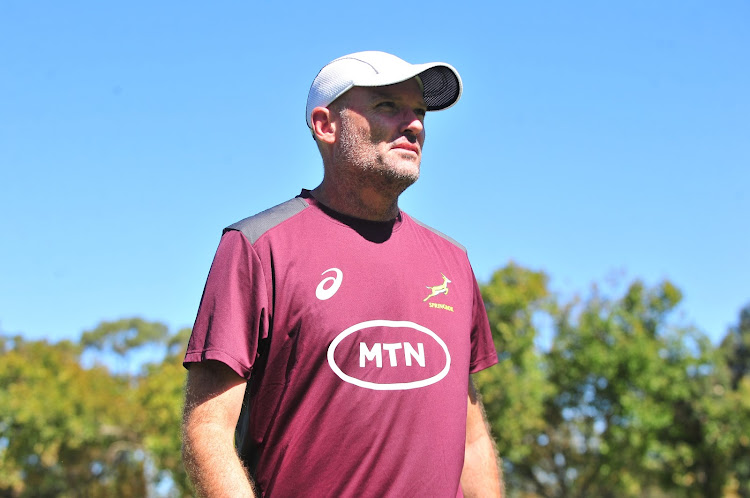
(357, 339)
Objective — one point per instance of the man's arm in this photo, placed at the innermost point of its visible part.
(482, 475)
(213, 400)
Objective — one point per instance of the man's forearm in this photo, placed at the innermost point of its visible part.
(213, 465)
(213, 401)
(482, 473)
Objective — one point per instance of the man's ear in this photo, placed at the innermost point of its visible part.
(323, 126)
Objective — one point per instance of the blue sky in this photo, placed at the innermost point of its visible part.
(594, 140)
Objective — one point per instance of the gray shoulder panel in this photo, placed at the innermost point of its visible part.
(437, 232)
(255, 226)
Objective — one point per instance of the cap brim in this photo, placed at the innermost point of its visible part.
(441, 83)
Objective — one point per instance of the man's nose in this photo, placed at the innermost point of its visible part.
(412, 123)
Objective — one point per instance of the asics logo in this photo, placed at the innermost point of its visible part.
(322, 292)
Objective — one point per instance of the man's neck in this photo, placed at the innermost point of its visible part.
(365, 204)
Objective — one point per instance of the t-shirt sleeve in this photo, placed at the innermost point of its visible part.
(233, 313)
(483, 352)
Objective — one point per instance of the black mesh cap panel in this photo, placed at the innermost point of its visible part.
(440, 87)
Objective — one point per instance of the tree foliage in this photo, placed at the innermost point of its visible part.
(624, 403)
(735, 349)
(66, 430)
(514, 391)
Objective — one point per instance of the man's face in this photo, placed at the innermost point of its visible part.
(382, 131)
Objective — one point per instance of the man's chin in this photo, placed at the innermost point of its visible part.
(400, 180)
(406, 169)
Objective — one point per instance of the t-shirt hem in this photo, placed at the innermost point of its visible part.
(484, 362)
(217, 355)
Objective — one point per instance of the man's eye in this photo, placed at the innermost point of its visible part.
(387, 105)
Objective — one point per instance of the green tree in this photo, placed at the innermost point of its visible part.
(514, 391)
(735, 348)
(631, 388)
(66, 430)
(625, 403)
(63, 431)
(122, 344)
(156, 387)
(160, 391)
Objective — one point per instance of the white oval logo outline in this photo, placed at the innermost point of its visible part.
(395, 386)
(322, 293)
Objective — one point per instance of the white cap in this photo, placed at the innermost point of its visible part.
(440, 82)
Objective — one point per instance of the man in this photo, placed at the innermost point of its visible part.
(336, 333)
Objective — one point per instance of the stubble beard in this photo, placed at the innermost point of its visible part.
(369, 167)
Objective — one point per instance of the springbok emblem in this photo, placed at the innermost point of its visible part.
(438, 289)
